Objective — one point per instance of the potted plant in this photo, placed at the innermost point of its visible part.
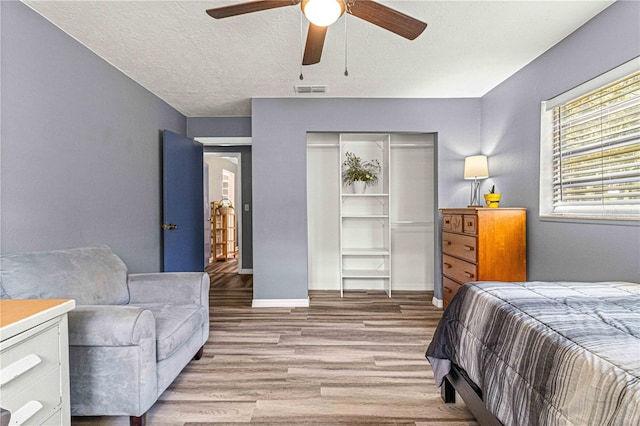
(224, 206)
(358, 173)
(492, 198)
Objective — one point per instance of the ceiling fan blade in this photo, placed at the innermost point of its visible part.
(314, 45)
(248, 7)
(387, 18)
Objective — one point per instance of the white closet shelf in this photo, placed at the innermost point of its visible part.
(323, 145)
(365, 195)
(364, 273)
(365, 252)
(365, 216)
(412, 222)
(411, 145)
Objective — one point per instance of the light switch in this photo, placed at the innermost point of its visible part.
(246, 207)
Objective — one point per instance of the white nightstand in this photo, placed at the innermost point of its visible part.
(34, 361)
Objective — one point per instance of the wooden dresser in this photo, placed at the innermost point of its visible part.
(482, 244)
(34, 361)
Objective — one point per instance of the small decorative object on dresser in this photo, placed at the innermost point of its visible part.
(492, 198)
(482, 244)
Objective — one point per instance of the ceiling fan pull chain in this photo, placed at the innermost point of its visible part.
(301, 48)
(346, 71)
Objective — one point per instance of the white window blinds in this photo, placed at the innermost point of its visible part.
(596, 152)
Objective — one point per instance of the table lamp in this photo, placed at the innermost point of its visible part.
(476, 167)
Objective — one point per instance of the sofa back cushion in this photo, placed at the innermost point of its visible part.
(91, 276)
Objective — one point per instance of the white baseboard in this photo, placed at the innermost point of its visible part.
(436, 302)
(245, 271)
(280, 303)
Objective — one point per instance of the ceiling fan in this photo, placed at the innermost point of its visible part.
(322, 13)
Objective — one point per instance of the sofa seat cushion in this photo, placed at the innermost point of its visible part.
(175, 324)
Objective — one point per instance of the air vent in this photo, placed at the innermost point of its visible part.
(300, 88)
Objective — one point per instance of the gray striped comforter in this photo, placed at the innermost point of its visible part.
(546, 353)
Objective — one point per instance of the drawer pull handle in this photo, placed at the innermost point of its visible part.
(446, 243)
(447, 265)
(18, 368)
(469, 223)
(25, 412)
(468, 274)
(468, 248)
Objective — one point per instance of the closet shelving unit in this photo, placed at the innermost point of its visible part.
(365, 228)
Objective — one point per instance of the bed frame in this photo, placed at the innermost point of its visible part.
(458, 381)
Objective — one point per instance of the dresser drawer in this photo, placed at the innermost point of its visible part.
(458, 245)
(459, 270)
(36, 402)
(449, 289)
(26, 357)
(470, 224)
(452, 222)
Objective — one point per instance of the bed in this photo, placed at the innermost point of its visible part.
(542, 353)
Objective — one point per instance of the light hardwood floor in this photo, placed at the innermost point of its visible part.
(352, 361)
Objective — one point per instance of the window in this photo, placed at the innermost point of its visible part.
(590, 153)
(228, 185)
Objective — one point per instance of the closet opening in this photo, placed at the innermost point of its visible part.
(380, 238)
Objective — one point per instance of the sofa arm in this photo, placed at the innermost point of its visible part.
(173, 287)
(110, 325)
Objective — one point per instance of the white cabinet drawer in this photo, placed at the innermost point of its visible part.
(36, 402)
(26, 357)
(34, 361)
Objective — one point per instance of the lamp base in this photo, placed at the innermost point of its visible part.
(475, 196)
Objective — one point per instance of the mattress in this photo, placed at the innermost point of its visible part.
(546, 353)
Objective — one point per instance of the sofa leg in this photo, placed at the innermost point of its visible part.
(198, 354)
(138, 421)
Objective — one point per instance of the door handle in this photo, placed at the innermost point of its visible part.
(169, 226)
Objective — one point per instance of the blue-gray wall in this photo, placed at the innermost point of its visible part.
(511, 137)
(279, 135)
(80, 161)
(236, 127)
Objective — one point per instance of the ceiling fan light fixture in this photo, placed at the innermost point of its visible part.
(322, 12)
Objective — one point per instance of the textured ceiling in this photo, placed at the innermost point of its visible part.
(206, 67)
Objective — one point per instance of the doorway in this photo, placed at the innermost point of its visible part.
(222, 196)
(239, 162)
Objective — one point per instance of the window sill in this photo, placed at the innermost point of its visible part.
(593, 220)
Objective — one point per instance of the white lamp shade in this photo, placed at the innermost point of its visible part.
(476, 167)
(323, 12)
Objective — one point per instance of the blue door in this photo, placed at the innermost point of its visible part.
(182, 198)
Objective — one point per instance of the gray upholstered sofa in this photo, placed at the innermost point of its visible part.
(130, 334)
